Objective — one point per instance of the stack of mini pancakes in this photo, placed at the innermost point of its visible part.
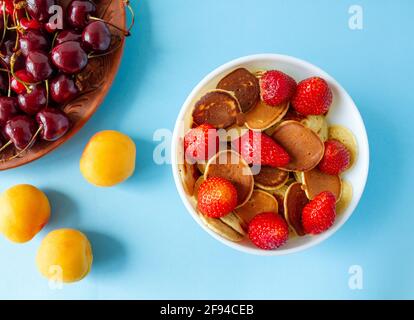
(235, 105)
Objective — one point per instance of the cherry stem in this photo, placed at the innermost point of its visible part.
(6, 145)
(27, 146)
(47, 92)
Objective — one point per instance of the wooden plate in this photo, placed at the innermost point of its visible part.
(101, 73)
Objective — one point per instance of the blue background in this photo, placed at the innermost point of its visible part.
(146, 245)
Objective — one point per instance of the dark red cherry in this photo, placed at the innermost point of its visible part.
(9, 6)
(78, 12)
(8, 109)
(7, 50)
(4, 82)
(69, 57)
(39, 9)
(20, 130)
(33, 40)
(38, 66)
(17, 86)
(63, 89)
(96, 37)
(67, 35)
(32, 102)
(55, 123)
(32, 24)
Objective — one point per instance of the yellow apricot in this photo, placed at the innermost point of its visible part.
(24, 211)
(64, 255)
(108, 158)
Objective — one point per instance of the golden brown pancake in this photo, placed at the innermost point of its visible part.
(302, 144)
(294, 202)
(316, 181)
(263, 116)
(270, 178)
(197, 185)
(221, 228)
(259, 202)
(218, 108)
(229, 164)
(245, 87)
(189, 175)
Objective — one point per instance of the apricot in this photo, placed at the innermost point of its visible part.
(24, 211)
(108, 158)
(65, 254)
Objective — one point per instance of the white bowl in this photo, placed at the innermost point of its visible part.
(343, 112)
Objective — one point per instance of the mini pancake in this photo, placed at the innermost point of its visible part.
(233, 132)
(221, 228)
(189, 175)
(291, 114)
(318, 125)
(323, 132)
(294, 202)
(233, 221)
(230, 165)
(201, 167)
(270, 178)
(259, 202)
(314, 123)
(279, 194)
(197, 185)
(245, 87)
(218, 108)
(346, 197)
(263, 116)
(302, 144)
(345, 136)
(316, 181)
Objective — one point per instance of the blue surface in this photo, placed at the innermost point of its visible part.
(145, 244)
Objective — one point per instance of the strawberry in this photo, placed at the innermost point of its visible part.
(259, 149)
(268, 231)
(336, 158)
(201, 143)
(313, 97)
(319, 214)
(217, 197)
(276, 87)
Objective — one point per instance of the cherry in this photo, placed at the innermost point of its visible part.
(7, 50)
(63, 89)
(8, 109)
(4, 82)
(67, 35)
(9, 6)
(32, 102)
(17, 86)
(38, 66)
(39, 9)
(33, 40)
(96, 37)
(79, 11)
(69, 57)
(20, 130)
(32, 24)
(55, 123)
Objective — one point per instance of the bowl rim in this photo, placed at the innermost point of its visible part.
(280, 58)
